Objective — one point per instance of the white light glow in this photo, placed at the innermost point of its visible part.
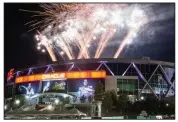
(38, 47)
(37, 37)
(55, 37)
(94, 37)
(114, 30)
(50, 42)
(62, 53)
(5, 107)
(134, 35)
(26, 97)
(56, 101)
(137, 14)
(91, 26)
(65, 95)
(167, 104)
(59, 26)
(97, 31)
(116, 18)
(100, 14)
(49, 26)
(17, 102)
(142, 97)
(49, 107)
(129, 41)
(159, 117)
(43, 50)
(102, 29)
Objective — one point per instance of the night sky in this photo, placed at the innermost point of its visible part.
(20, 45)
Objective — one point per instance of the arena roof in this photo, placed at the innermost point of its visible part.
(123, 60)
(109, 60)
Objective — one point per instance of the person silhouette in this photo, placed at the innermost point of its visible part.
(85, 90)
(29, 89)
(46, 88)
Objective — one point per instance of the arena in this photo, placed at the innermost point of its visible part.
(137, 78)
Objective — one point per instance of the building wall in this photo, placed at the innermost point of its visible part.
(150, 74)
(111, 83)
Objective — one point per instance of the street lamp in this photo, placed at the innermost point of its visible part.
(142, 97)
(17, 102)
(167, 104)
(56, 101)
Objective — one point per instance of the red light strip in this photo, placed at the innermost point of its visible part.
(61, 75)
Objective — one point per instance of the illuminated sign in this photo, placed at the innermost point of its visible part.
(53, 76)
(10, 74)
(61, 75)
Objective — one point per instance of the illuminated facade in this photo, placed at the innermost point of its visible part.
(137, 78)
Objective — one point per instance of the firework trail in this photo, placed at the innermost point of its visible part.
(68, 48)
(48, 47)
(51, 52)
(123, 44)
(103, 37)
(104, 40)
(87, 42)
(67, 27)
(133, 31)
(64, 47)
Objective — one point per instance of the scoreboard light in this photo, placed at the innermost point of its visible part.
(61, 75)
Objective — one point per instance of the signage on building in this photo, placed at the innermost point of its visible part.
(10, 74)
(61, 76)
(53, 76)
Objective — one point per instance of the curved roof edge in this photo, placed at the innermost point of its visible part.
(111, 60)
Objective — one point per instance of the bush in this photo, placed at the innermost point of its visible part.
(107, 102)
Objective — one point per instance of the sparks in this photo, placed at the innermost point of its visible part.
(70, 27)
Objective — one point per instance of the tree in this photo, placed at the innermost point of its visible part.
(99, 92)
(90, 98)
(151, 105)
(114, 97)
(137, 107)
(107, 101)
(166, 107)
(122, 103)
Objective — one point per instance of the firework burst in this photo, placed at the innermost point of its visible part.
(71, 30)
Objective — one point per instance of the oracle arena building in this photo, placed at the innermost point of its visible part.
(78, 78)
